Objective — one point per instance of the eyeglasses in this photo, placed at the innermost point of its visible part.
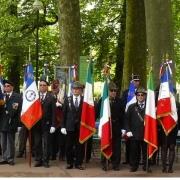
(140, 94)
(7, 85)
(113, 90)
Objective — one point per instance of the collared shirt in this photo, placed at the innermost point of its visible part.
(42, 95)
(141, 105)
(78, 99)
(9, 94)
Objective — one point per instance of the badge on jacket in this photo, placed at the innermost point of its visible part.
(15, 106)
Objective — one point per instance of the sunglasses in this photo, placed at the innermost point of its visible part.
(140, 94)
(113, 90)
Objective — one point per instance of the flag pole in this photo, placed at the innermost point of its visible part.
(85, 154)
(30, 148)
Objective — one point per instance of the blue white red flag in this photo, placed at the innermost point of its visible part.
(1, 87)
(131, 95)
(166, 107)
(31, 111)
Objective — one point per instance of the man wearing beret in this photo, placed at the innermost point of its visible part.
(9, 121)
(72, 109)
(134, 123)
(45, 126)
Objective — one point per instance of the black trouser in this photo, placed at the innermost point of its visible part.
(74, 150)
(136, 147)
(42, 146)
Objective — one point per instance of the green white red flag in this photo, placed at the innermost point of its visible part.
(150, 132)
(87, 127)
(105, 127)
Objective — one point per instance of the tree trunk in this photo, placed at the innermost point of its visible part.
(159, 33)
(135, 42)
(70, 31)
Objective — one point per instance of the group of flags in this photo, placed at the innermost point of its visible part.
(165, 111)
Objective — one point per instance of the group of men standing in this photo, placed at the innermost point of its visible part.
(62, 115)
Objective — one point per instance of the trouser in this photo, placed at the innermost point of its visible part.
(42, 146)
(8, 146)
(74, 150)
(23, 136)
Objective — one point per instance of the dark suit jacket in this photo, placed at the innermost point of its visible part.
(10, 113)
(71, 115)
(133, 122)
(48, 117)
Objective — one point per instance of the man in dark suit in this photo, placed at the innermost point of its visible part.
(136, 82)
(134, 123)
(9, 121)
(72, 109)
(45, 126)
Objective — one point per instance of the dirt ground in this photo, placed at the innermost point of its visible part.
(93, 169)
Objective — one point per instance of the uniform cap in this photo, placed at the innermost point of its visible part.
(140, 90)
(112, 85)
(77, 84)
(5, 81)
(136, 77)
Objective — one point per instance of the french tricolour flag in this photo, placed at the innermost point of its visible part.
(31, 111)
(131, 95)
(166, 106)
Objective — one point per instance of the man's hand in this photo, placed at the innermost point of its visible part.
(63, 131)
(52, 130)
(129, 134)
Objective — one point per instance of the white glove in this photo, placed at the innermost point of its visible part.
(19, 128)
(58, 104)
(123, 131)
(129, 134)
(63, 131)
(52, 130)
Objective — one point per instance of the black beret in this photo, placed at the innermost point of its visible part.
(5, 81)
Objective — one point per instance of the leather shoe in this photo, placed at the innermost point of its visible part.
(104, 168)
(79, 167)
(46, 165)
(170, 171)
(133, 169)
(3, 162)
(116, 168)
(69, 166)
(164, 170)
(11, 163)
(38, 164)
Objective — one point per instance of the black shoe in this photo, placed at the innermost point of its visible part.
(164, 170)
(46, 165)
(20, 155)
(125, 162)
(133, 169)
(3, 162)
(69, 166)
(104, 168)
(170, 170)
(38, 164)
(11, 163)
(79, 167)
(116, 168)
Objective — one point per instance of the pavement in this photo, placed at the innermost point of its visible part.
(93, 169)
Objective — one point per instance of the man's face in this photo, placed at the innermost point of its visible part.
(76, 91)
(141, 97)
(136, 83)
(112, 93)
(43, 87)
(8, 88)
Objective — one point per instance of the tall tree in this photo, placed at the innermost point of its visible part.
(159, 32)
(135, 42)
(70, 27)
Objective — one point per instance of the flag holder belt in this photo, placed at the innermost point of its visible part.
(136, 109)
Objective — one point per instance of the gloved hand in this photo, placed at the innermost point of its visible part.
(63, 131)
(58, 104)
(123, 131)
(52, 130)
(129, 134)
(19, 128)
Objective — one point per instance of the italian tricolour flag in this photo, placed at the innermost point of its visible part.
(105, 128)
(87, 128)
(150, 133)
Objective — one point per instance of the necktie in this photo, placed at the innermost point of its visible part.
(141, 106)
(42, 97)
(76, 102)
(7, 97)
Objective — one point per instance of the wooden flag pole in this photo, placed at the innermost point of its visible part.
(85, 154)
(30, 148)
